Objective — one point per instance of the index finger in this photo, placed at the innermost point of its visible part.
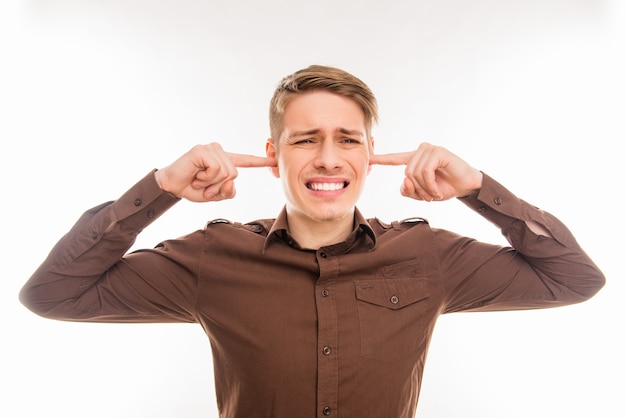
(397, 158)
(246, 160)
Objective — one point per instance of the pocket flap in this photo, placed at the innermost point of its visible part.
(391, 293)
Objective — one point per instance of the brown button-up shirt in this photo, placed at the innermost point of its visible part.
(341, 331)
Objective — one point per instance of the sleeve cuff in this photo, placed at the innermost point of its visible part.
(143, 203)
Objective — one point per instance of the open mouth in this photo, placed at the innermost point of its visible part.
(327, 187)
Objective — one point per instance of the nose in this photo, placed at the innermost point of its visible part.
(328, 155)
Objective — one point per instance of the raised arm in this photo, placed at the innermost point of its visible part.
(545, 267)
(88, 275)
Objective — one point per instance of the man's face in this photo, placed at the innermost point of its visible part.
(323, 156)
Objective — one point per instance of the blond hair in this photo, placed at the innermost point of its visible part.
(319, 77)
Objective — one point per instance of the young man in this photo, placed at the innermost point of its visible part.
(319, 312)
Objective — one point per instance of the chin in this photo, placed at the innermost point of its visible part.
(331, 214)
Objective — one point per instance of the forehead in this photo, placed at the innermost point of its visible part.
(323, 110)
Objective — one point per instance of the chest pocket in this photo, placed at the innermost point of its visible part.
(395, 317)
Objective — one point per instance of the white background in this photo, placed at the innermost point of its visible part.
(94, 94)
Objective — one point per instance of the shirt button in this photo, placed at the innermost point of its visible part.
(150, 214)
(326, 410)
(325, 293)
(497, 201)
(323, 254)
(137, 201)
(394, 299)
(326, 351)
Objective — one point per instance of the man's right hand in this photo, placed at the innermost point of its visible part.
(206, 173)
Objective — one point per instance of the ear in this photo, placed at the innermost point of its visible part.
(270, 151)
(371, 148)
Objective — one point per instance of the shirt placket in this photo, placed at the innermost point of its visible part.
(327, 350)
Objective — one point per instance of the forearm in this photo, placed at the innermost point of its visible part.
(544, 242)
(96, 242)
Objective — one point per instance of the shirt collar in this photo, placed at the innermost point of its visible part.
(280, 230)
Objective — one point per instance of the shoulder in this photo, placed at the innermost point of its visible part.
(377, 223)
(380, 227)
(260, 226)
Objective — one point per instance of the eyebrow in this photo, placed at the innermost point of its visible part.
(317, 131)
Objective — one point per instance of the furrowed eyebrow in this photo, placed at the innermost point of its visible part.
(317, 131)
(305, 133)
(351, 132)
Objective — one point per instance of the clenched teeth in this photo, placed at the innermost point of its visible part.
(326, 186)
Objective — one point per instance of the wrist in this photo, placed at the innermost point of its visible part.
(478, 180)
(474, 184)
(157, 177)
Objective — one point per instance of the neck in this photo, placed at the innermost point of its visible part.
(313, 234)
